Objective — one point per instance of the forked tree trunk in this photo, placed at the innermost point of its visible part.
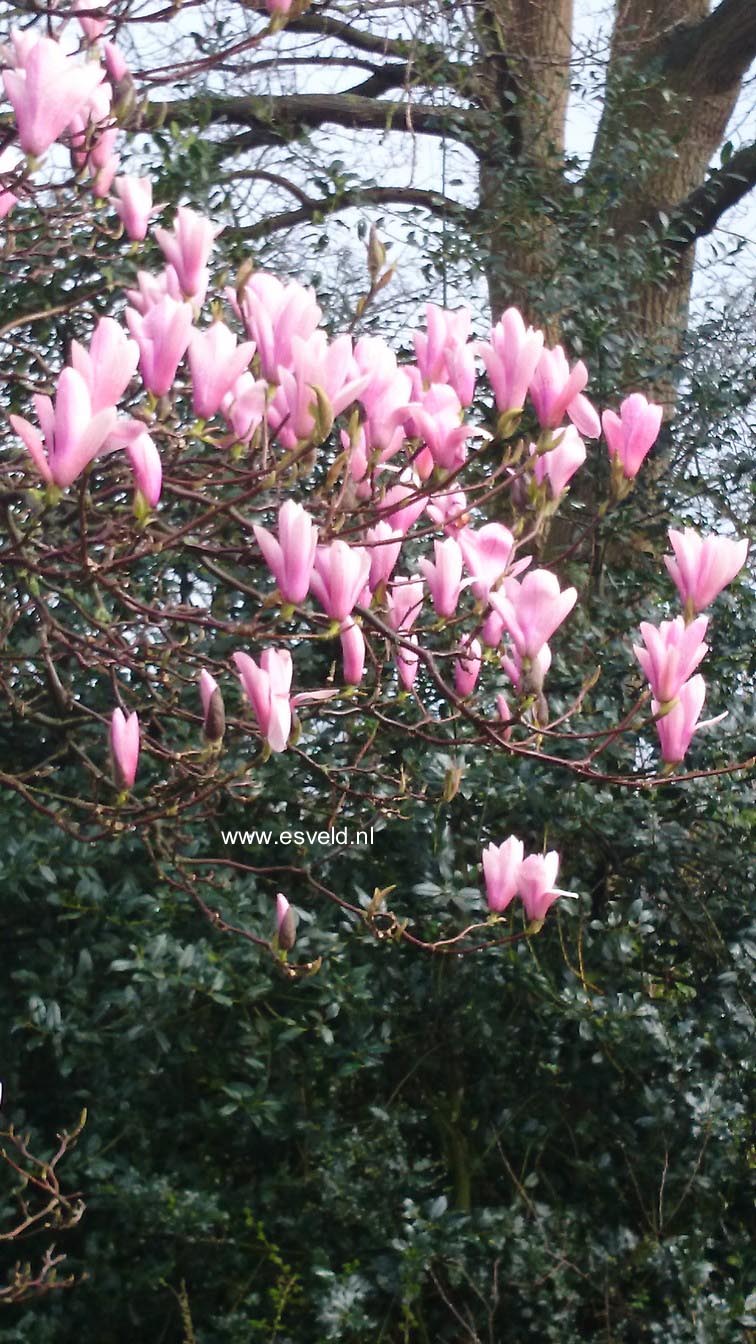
(663, 87)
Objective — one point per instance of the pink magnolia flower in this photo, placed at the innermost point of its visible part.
(443, 354)
(244, 406)
(436, 421)
(187, 249)
(278, 6)
(7, 202)
(87, 126)
(527, 675)
(505, 714)
(677, 726)
(404, 602)
(124, 748)
(560, 464)
(286, 926)
(632, 434)
(93, 139)
(162, 336)
(511, 358)
(444, 578)
(493, 629)
(703, 566)
(109, 364)
(147, 467)
(556, 390)
(533, 610)
(9, 165)
(384, 545)
(487, 554)
(407, 663)
(46, 89)
(273, 314)
(339, 576)
(353, 651)
(290, 558)
(322, 381)
(152, 288)
(215, 363)
(467, 666)
(213, 709)
(403, 503)
(143, 457)
(448, 510)
(355, 445)
(107, 167)
(384, 399)
(672, 654)
(501, 870)
(72, 434)
(115, 62)
(92, 27)
(536, 884)
(268, 687)
(134, 205)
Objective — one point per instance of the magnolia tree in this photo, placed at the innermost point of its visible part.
(237, 539)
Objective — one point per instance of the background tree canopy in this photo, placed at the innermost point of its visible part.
(464, 109)
(552, 1142)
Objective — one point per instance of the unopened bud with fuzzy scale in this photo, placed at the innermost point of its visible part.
(214, 725)
(376, 255)
(124, 103)
(452, 781)
(508, 422)
(286, 924)
(244, 273)
(323, 415)
(541, 710)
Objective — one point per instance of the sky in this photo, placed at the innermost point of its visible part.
(716, 277)
(426, 162)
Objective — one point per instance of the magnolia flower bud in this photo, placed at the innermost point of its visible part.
(286, 924)
(124, 748)
(214, 725)
(376, 255)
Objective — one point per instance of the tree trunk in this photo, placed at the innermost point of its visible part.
(655, 92)
(672, 84)
(525, 60)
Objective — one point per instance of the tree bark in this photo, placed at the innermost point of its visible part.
(673, 79)
(525, 59)
(674, 74)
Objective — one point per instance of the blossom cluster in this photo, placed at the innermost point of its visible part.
(277, 384)
(700, 568)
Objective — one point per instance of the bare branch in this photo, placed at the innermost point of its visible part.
(42, 1205)
(712, 56)
(703, 209)
(398, 48)
(281, 118)
(433, 201)
(380, 81)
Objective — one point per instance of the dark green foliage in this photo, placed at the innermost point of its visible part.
(548, 1143)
